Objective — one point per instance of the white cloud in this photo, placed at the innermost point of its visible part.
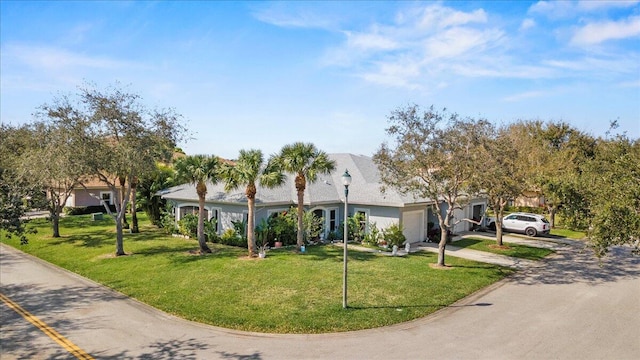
(525, 95)
(43, 57)
(598, 32)
(590, 5)
(527, 24)
(371, 41)
(293, 15)
(459, 42)
(438, 16)
(553, 9)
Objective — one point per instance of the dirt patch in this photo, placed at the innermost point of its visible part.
(246, 257)
(439, 267)
(499, 247)
(198, 253)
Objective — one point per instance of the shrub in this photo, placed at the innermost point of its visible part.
(230, 237)
(188, 225)
(84, 210)
(373, 237)
(168, 220)
(393, 235)
(211, 230)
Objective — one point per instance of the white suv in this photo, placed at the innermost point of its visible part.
(530, 224)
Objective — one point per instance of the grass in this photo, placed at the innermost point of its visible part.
(284, 293)
(513, 250)
(571, 234)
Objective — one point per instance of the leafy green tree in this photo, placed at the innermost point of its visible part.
(55, 160)
(499, 176)
(552, 154)
(198, 170)
(147, 192)
(305, 162)
(14, 142)
(125, 140)
(248, 171)
(433, 156)
(612, 186)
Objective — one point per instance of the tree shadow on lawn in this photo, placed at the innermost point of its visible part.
(334, 253)
(579, 265)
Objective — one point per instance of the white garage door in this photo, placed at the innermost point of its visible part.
(413, 225)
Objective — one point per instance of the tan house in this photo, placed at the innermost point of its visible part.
(531, 199)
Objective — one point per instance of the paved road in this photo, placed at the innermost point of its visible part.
(569, 308)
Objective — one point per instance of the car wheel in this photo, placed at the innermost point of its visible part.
(531, 232)
(492, 226)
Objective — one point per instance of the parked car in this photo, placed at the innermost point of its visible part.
(530, 224)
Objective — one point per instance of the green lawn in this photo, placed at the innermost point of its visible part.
(514, 250)
(571, 234)
(284, 293)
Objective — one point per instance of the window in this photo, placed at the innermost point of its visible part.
(106, 197)
(186, 210)
(364, 218)
(214, 215)
(333, 213)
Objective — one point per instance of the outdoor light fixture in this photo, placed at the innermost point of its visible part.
(346, 181)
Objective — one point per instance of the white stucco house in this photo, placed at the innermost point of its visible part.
(325, 197)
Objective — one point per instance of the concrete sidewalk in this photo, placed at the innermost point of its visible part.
(555, 244)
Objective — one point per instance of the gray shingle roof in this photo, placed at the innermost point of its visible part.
(364, 190)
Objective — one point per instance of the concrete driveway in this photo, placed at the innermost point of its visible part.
(569, 308)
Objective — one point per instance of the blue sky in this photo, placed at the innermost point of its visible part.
(264, 74)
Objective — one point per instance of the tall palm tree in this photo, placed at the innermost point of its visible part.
(197, 170)
(306, 162)
(248, 170)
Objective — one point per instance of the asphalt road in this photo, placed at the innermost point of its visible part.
(569, 308)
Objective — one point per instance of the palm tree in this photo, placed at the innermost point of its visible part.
(306, 162)
(197, 170)
(248, 170)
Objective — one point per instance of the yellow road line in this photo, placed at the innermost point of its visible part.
(64, 342)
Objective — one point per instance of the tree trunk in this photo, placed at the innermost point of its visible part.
(552, 217)
(123, 204)
(251, 240)
(119, 236)
(55, 222)
(499, 216)
(134, 214)
(299, 235)
(498, 232)
(442, 245)
(202, 241)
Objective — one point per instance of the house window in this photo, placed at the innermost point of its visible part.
(105, 196)
(333, 225)
(186, 210)
(364, 218)
(214, 215)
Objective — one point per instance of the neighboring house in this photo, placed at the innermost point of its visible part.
(325, 198)
(93, 193)
(531, 199)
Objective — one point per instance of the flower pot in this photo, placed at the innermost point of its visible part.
(278, 244)
(262, 255)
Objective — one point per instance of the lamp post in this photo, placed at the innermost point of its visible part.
(346, 181)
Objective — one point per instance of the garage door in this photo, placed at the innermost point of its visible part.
(413, 225)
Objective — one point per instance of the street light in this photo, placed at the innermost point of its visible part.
(346, 181)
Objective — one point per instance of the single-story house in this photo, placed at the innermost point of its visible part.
(92, 192)
(325, 197)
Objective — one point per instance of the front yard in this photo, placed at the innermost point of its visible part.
(284, 293)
